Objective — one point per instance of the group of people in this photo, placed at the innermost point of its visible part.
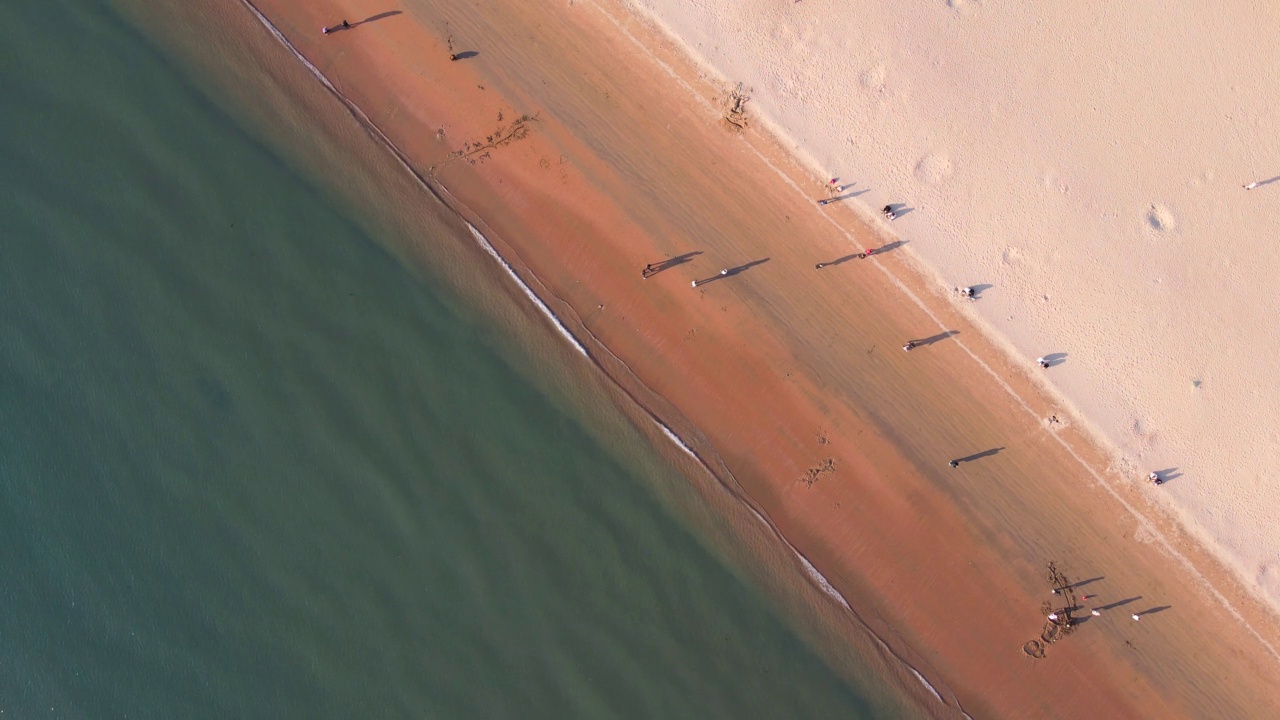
(1063, 616)
(835, 189)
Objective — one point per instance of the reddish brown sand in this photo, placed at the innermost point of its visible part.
(775, 370)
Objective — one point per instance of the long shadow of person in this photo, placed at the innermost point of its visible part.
(730, 272)
(935, 338)
(978, 456)
(672, 262)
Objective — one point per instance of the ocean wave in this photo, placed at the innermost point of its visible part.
(533, 297)
(926, 684)
(815, 576)
(821, 580)
(676, 439)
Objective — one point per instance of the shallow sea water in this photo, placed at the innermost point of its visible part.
(252, 466)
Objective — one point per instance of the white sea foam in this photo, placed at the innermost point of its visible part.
(529, 293)
(813, 573)
(925, 683)
(822, 580)
(676, 439)
(285, 41)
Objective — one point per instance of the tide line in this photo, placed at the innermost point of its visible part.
(533, 297)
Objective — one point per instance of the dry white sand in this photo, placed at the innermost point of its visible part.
(1086, 161)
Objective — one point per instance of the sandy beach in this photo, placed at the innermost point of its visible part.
(585, 144)
(1086, 164)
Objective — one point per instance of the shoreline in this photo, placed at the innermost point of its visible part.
(470, 218)
(730, 486)
(604, 343)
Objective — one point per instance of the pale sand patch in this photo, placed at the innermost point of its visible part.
(1087, 160)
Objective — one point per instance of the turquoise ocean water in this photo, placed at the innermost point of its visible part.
(252, 466)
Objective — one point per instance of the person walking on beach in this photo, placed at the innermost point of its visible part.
(819, 266)
(1250, 186)
(827, 201)
(1136, 617)
(344, 25)
(954, 464)
(888, 212)
(1155, 478)
(1042, 362)
(648, 270)
(910, 344)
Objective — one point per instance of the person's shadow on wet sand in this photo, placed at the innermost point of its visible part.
(1082, 583)
(730, 272)
(849, 196)
(891, 246)
(1154, 610)
(1118, 603)
(837, 261)
(379, 16)
(936, 338)
(673, 262)
(978, 456)
(743, 268)
(344, 25)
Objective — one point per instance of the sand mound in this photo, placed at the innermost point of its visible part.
(933, 169)
(873, 77)
(1160, 218)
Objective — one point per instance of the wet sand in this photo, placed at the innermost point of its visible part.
(781, 369)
